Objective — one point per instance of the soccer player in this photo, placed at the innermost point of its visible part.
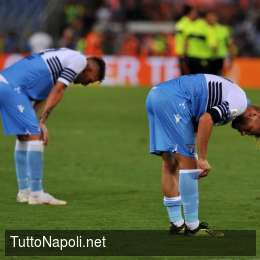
(24, 86)
(182, 113)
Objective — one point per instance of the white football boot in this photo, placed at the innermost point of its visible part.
(44, 198)
(23, 196)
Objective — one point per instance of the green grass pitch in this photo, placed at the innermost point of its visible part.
(97, 160)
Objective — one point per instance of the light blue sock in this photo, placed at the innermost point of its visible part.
(35, 164)
(188, 186)
(20, 157)
(173, 206)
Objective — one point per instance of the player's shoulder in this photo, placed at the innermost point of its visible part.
(71, 53)
(192, 77)
(212, 78)
(184, 20)
(60, 52)
(73, 57)
(232, 90)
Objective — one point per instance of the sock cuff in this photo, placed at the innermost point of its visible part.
(192, 174)
(171, 201)
(190, 171)
(35, 146)
(21, 146)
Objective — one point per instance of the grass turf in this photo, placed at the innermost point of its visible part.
(97, 160)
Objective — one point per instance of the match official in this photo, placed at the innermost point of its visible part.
(181, 30)
(198, 46)
(224, 50)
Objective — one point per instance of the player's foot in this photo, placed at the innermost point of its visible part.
(45, 198)
(23, 196)
(203, 230)
(175, 230)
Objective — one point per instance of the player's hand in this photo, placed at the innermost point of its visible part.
(44, 134)
(204, 166)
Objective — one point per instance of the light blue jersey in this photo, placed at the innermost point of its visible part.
(192, 88)
(30, 76)
(175, 106)
(36, 74)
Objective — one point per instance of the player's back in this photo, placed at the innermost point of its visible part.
(36, 74)
(28, 74)
(191, 88)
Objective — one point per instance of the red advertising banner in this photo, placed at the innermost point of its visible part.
(148, 71)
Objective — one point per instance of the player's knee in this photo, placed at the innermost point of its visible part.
(174, 165)
(170, 163)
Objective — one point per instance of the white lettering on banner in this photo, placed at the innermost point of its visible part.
(128, 70)
(148, 71)
(156, 69)
(111, 71)
(171, 68)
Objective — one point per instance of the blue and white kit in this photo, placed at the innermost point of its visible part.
(175, 106)
(31, 79)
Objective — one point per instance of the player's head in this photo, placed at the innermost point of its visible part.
(94, 71)
(190, 11)
(211, 18)
(249, 122)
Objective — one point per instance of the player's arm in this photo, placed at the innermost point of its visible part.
(53, 99)
(75, 65)
(203, 135)
(38, 107)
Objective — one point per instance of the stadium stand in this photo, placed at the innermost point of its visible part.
(109, 24)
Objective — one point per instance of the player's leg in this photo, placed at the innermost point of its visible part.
(19, 119)
(219, 66)
(9, 111)
(158, 143)
(184, 68)
(22, 172)
(34, 159)
(194, 65)
(189, 192)
(188, 187)
(172, 199)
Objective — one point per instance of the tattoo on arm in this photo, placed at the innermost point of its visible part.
(45, 115)
(53, 99)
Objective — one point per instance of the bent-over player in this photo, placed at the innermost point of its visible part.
(23, 87)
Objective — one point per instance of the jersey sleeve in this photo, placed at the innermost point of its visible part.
(74, 66)
(221, 114)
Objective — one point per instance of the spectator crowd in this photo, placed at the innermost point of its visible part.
(100, 27)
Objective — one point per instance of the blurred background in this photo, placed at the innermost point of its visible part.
(133, 28)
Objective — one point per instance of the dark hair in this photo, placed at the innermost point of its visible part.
(202, 13)
(187, 9)
(101, 66)
(238, 122)
(241, 120)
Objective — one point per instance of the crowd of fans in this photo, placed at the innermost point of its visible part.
(99, 27)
